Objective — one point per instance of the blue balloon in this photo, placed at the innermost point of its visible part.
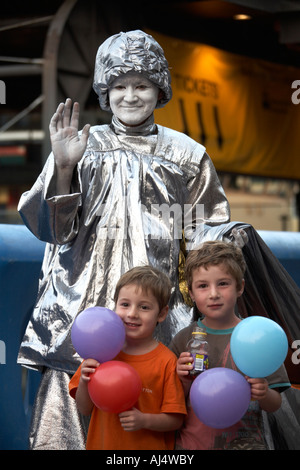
(258, 346)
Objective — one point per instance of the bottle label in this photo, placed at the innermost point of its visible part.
(200, 362)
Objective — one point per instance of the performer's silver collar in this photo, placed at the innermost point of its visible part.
(146, 128)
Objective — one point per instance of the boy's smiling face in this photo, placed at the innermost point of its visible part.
(139, 311)
(215, 293)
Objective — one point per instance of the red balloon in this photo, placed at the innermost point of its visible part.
(114, 386)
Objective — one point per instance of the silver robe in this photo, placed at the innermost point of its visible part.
(130, 194)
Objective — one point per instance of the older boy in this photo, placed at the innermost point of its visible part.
(214, 276)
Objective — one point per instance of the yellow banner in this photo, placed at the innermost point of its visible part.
(239, 108)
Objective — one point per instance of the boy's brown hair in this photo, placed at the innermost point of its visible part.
(215, 253)
(148, 279)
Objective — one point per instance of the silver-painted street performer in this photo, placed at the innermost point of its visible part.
(109, 198)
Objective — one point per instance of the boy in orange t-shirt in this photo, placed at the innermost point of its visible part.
(141, 298)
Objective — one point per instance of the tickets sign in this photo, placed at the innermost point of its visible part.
(239, 108)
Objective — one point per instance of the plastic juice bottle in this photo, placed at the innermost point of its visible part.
(198, 347)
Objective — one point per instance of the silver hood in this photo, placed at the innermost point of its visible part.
(126, 52)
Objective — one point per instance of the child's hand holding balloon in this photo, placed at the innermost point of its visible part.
(132, 420)
(259, 388)
(88, 367)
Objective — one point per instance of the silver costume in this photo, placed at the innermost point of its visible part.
(108, 225)
(133, 195)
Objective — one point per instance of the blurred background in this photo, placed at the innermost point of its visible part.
(235, 68)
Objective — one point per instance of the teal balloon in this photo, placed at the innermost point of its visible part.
(258, 346)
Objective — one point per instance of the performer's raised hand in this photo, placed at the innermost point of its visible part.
(68, 145)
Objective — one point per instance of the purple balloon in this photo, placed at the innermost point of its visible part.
(220, 397)
(98, 333)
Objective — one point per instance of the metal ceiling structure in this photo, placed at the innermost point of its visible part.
(48, 50)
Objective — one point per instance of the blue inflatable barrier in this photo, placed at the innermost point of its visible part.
(286, 247)
(21, 257)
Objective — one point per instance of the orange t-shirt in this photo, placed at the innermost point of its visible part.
(162, 392)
